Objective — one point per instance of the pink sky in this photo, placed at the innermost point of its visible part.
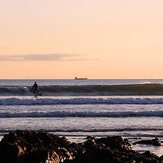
(60, 39)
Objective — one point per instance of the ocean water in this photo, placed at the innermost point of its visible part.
(78, 108)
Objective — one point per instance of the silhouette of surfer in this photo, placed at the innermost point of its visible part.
(35, 88)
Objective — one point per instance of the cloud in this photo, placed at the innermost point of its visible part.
(41, 57)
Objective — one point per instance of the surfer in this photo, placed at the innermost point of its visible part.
(35, 88)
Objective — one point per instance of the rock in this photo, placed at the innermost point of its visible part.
(151, 157)
(36, 147)
(25, 146)
(155, 142)
(53, 158)
(115, 142)
(112, 149)
(90, 138)
(161, 157)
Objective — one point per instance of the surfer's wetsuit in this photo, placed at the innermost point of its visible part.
(35, 88)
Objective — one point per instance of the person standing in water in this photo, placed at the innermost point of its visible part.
(35, 88)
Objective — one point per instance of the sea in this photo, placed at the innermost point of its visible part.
(132, 108)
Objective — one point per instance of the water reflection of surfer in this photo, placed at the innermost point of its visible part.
(35, 88)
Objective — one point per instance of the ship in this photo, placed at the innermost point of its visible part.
(76, 78)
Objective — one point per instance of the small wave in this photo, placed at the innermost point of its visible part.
(90, 130)
(82, 114)
(86, 100)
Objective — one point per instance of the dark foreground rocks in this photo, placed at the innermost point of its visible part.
(38, 147)
(155, 142)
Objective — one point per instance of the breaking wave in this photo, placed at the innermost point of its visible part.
(78, 90)
(80, 100)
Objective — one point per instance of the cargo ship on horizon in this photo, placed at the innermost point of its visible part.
(76, 78)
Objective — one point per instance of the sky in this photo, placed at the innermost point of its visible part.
(97, 39)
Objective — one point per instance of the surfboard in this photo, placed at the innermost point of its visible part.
(38, 94)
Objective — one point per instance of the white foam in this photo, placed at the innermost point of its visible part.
(80, 100)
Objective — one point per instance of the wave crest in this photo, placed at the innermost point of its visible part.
(133, 89)
(78, 100)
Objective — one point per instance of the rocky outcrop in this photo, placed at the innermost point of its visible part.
(113, 149)
(37, 147)
(33, 147)
(155, 142)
